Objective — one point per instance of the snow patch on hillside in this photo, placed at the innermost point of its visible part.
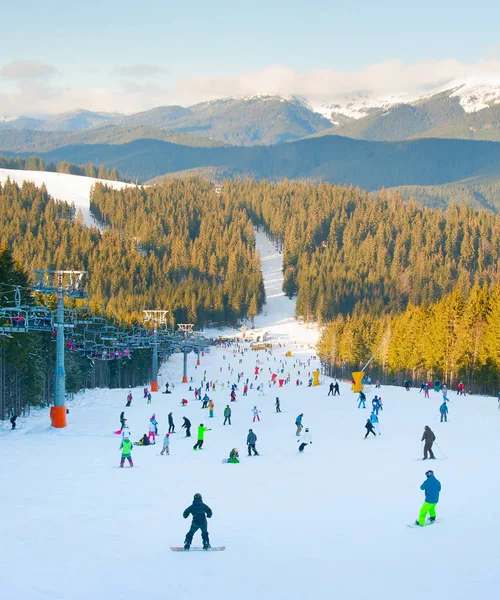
(61, 186)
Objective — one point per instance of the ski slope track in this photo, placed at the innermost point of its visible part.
(62, 186)
(331, 523)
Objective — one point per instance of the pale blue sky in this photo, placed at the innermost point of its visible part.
(195, 50)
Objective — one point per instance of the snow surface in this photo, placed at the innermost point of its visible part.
(61, 186)
(331, 523)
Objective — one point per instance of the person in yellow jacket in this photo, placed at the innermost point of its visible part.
(211, 408)
(126, 451)
(201, 436)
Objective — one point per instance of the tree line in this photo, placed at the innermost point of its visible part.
(36, 163)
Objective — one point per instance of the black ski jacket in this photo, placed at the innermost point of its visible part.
(187, 423)
(198, 510)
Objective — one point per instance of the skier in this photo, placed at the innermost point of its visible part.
(255, 414)
(211, 409)
(375, 423)
(171, 426)
(369, 428)
(155, 423)
(146, 391)
(233, 396)
(251, 441)
(234, 456)
(129, 399)
(122, 420)
(377, 385)
(149, 398)
(197, 510)
(187, 425)
(362, 400)
(166, 444)
(305, 440)
(126, 452)
(331, 389)
(428, 437)
(375, 405)
(444, 391)
(201, 437)
(336, 389)
(431, 487)
(205, 401)
(298, 422)
(278, 409)
(426, 390)
(443, 409)
(461, 389)
(227, 415)
(13, 421)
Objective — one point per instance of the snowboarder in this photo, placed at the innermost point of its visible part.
(362, 400)
(201, 437)
(298, 422)
(211, 409)
(369, 428)
(443, 409)
(205, 401)
(13, 421)
(428, 437)
(126, 452)
(374, 421)
(331, 389)
(187, 426)
(166, 444)
(336, 389)
(278, 409)
(122, 420)
(129, 399)
(251, 441)
(167, 385)
(305, 440)
(431, 487)
(199, 512)
(144, 441)
(234, 456)
(426, 390)
(149, 398)
(256, 412)
(227, 415)
(171, 426)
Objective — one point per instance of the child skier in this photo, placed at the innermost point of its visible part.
(431, 487)
(126, 452)
(166, 444)
(369, 428)
(443, 409)
(255, 414)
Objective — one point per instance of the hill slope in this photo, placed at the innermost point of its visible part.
(370, 165)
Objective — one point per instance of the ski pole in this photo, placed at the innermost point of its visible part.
(444, 455)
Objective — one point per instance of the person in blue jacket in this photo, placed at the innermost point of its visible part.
(431, 487)
(362, 400)
(374, 421)
(443, 409)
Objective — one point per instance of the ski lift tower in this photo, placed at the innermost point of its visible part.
(157, 317)
(66, 284)
(187, 330)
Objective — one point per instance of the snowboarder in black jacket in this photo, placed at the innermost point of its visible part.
(187, 425)
(199, 512)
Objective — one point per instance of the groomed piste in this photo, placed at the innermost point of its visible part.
(328, 523)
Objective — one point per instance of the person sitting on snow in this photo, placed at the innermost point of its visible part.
(234, 456)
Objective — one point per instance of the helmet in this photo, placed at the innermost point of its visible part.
(197, 497)
(167, 434)
(429, 473)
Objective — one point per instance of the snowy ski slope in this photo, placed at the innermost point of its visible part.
(327, 524)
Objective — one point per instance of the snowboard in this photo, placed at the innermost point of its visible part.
(426, 524)
(197, 549)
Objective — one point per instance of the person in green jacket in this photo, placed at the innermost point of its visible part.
(126, 451)
(201, 436)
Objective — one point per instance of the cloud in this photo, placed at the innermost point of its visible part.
(31, 93)
(378, 80)
(138, 71)
(26, 70)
